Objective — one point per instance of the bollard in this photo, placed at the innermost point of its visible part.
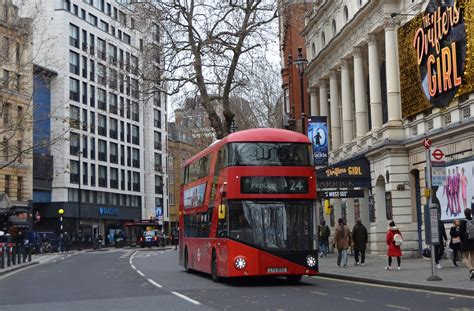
(8, 256)
(13, 255)
(18, 254)
(29, 253)
(2, 258)
(24, 254)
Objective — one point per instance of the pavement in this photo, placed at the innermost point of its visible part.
(413, 274)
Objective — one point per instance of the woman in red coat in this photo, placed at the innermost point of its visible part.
(394, 240)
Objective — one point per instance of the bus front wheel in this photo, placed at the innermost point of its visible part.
(294, 278)
(214, 275)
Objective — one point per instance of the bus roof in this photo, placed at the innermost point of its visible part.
(255, 135)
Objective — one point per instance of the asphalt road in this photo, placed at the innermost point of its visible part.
(152, 280)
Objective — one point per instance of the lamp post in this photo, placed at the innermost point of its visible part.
(300, 63)
(61, 212)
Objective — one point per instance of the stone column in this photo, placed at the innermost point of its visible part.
(360, 95)
(393, 75)
(323, 98)
(314, 102)
(375, 86)
(346, 99)
(335, 118)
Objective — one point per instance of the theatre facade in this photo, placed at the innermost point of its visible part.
(385, 75)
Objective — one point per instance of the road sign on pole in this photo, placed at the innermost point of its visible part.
(427, 143)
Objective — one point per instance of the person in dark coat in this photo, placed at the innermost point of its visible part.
(439, 249)
(323, 238)
(467, 245)
(359, 240)
(455, 243)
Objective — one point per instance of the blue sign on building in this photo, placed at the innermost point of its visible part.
(108, 211)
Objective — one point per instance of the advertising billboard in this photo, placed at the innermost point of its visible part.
(457, 191)
(194, 196)
(318, 135)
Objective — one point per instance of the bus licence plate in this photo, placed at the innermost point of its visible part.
(277, 270)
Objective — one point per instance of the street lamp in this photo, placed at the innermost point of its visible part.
(301, 63)
(61, 212)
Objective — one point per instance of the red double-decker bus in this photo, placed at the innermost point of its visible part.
(247, 207)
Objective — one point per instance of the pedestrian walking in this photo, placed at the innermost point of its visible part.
(342, 241)
(174, 237)
(443, 238)
(466, 233)
(323, 238)
(66, 241)
(359, 240)
(455, 243)
(394, 241)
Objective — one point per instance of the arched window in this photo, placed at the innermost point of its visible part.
(323, 39)
(334, 29)
(346, 13)
(360, 3)
(313, 49)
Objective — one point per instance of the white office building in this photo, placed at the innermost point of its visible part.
(106, 166)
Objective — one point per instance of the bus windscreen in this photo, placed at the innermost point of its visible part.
(272, 225)
(270, 154)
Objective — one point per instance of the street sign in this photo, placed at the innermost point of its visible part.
(427, 143)
(438, 175)
(438, 155)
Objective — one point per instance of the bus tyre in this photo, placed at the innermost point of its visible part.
(186, 262)
(294, 278)
(214, 275)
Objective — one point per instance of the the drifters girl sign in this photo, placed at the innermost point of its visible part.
(433, 50)
(440, 44)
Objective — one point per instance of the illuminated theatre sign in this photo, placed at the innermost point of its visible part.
(433, 56)
(440, 45)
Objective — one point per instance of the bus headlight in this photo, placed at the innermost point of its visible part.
(310, 261)
(240, 263)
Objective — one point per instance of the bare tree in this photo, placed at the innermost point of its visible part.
(207, 47)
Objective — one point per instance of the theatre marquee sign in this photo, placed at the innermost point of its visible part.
(435, 64)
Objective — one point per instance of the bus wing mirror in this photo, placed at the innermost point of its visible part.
(222, 211)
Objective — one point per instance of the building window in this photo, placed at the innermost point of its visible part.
(74, 144)
(113, 54)
(102, 99)
(74, 117)
(122, 180)
(84, 67)
(157, 99)
(158, 185)
(92, 19)
(135, 135)
(114, 178)
(135, 112)
(129, 156)
(135, 89)
(102, 150)
(74, 172)
(73, 62)
(122, 155)
(113, 128)
(92, 174)
(101, 75)
(135, 158)
(19, 185)
(104, 26)
(102, 176)
(323, 39)
(129, 181)
(84, 40)
(158, 163)
(157, 140)
(112, 103)
(84, 146)
(92, 122)
(126, 38)
(113, 79)
(136, 181)
(113, 153)
(92, 148)
(334, 28)
(157, 118)
(8, 185)
(92, 71)
(74, 89)
(102, 125)
(74, 35)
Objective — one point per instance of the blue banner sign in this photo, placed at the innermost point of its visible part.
(108, 211)
(318, 135)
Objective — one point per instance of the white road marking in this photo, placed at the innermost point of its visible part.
(186, 298)
(141, 273)
(397, 307)
(134, 267)
(353, 299)
(154, 283)
(319, 293)
(397, 288)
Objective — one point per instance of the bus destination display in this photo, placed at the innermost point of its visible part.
(274, 184)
